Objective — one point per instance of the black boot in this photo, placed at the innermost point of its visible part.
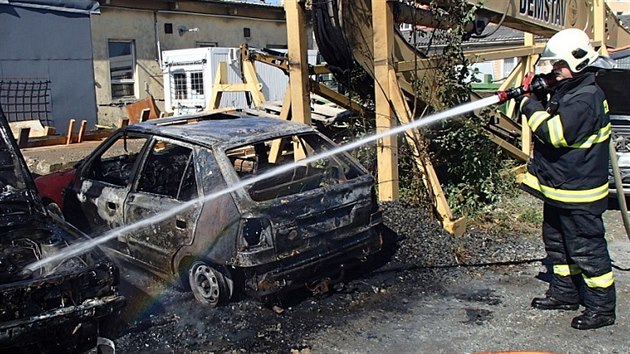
(592, 320)
(551, 303)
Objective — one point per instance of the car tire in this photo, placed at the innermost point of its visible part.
(207, 284)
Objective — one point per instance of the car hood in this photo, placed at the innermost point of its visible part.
(18, 194)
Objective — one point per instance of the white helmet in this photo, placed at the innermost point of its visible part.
(571, 45)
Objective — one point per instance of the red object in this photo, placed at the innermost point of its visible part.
(527, 80)
(51, 186)
(503, 96)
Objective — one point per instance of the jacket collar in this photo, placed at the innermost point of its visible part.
(583, 79)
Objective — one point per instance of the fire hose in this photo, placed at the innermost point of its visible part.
(621, 197)
(541, 85)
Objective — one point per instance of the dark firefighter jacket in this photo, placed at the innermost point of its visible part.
(569, 166)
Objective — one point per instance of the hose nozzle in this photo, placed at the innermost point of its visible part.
(539, 86)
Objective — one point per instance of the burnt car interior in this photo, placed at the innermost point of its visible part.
(116, 163)
(56, 306)
(256, 158)
(169, 170)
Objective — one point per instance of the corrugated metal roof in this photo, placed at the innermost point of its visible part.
(625, 20)
(77, 6)
(491, 36)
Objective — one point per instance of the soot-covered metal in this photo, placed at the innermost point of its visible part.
(56, 308)
(285, 231)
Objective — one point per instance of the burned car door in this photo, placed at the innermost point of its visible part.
(166, 181)
(105, 180)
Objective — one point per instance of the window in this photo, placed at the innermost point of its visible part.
(508, 65)
(116, 163)
(187, 85)
(196, 85)
(179, 85)
(263, 156)
(121, 68)
(207, 44)
(169, 171)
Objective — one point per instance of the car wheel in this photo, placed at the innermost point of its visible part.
(207, 284)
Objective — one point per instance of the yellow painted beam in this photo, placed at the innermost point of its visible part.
(298, 62)
(387, 148)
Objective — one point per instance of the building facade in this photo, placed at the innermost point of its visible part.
(46, 70)
(129, 36)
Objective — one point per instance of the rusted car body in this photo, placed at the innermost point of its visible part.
(282, 231)
(55, 308)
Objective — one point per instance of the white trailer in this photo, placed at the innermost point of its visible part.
(189, 75)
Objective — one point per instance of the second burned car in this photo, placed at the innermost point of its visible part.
(297, 226)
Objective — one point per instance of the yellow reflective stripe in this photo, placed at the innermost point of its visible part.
(564, 270)
(567, 196)
(602, 281)
(556, 132)
(602, 135)
(605, 103)
(537, 119)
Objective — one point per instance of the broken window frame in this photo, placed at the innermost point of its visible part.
(245, 161)
(123, 138)
(188, 167)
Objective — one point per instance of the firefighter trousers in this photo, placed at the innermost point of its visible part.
(576, 247)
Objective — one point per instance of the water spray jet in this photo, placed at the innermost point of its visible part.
(84, 246)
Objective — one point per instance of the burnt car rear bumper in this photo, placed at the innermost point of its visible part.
(60, 326)
(316, 264)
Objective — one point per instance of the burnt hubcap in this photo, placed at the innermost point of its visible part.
(206, 283)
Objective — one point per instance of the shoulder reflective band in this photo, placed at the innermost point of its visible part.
(567, 196)
(556, 132)
(537, 119)
(565, 270)
(602, 135)
(602, 281)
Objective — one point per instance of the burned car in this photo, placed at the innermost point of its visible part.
(56, 307)
(214, 222)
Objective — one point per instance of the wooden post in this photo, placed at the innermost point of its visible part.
(387, 148)
(298, 62)
(220, 79)
(82, 131)
(23, 137)
(70, 130)
(123, 122)
(528, 65)
(599, 25)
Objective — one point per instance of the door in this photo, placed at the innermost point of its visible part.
(105, 180)
(164, 198)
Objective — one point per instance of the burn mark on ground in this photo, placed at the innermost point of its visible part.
(477, 316)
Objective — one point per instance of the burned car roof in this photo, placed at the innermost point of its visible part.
(222, 128)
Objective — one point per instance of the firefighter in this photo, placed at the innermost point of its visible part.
(569, 172)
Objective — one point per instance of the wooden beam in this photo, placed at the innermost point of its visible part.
(220, 79)
(82, 131)
(69, 133)
(387, 148)
(336, 97)
(298, 61)
(22, 140)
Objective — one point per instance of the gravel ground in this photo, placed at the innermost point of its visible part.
(428, 292)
